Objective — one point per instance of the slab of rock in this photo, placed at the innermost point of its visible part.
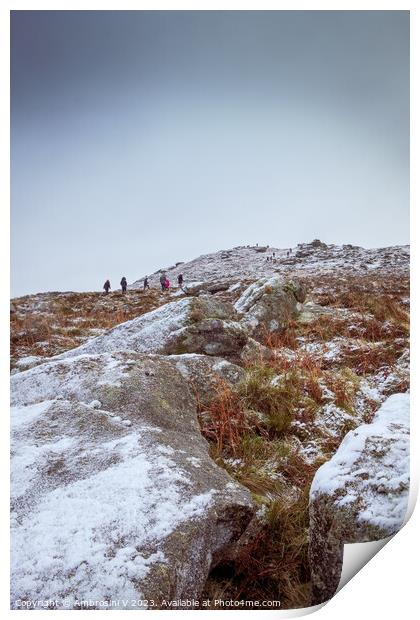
(191, 325)
(361, 494)
(200, 288)
(206, 374)
(114, 496)
(194, 288)
(254, 352)
(268, 305)
(310, 312)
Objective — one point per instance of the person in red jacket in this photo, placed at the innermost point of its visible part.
(167, 284)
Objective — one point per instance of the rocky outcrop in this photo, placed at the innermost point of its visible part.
(268, 305)
(206, 375)
(310, 312)
(114, 495)
(191, 325)
(254, 352)
(361, 494)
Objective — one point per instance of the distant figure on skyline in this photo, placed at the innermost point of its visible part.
(167, 284)
(180, 280)
(107, 287)
(146, 283)
(123, 284)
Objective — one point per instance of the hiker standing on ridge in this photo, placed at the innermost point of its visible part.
(162, 281)
(167, 284)
(180, 280)
(107, 287)
(146, 283)
(123, 284)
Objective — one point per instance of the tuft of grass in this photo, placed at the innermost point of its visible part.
(285, 339)
(344, 384)
(224, 421)
(372, 358)
(273, 396)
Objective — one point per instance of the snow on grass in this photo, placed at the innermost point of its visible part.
(371, 466)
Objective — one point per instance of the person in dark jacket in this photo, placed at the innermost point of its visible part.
(146, 283)
(162, 281)
(107, 287)
(123, 284)
(180, 280)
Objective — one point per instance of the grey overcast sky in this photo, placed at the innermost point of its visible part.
(144, 138)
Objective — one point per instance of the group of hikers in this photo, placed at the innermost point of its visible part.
(272, 257)
(164, 280)
(164, 283)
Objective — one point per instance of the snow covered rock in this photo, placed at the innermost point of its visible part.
(190, 325)
(268, 304)
(361, 494)
(114, 495)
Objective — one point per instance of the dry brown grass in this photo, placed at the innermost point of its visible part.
(344, 385)
(365, 360)
(330, 290)
(52, 323)
(224, 421)
(286, 339)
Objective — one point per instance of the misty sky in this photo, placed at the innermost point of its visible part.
(140, 139)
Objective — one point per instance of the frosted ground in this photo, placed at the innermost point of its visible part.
(345, 356)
